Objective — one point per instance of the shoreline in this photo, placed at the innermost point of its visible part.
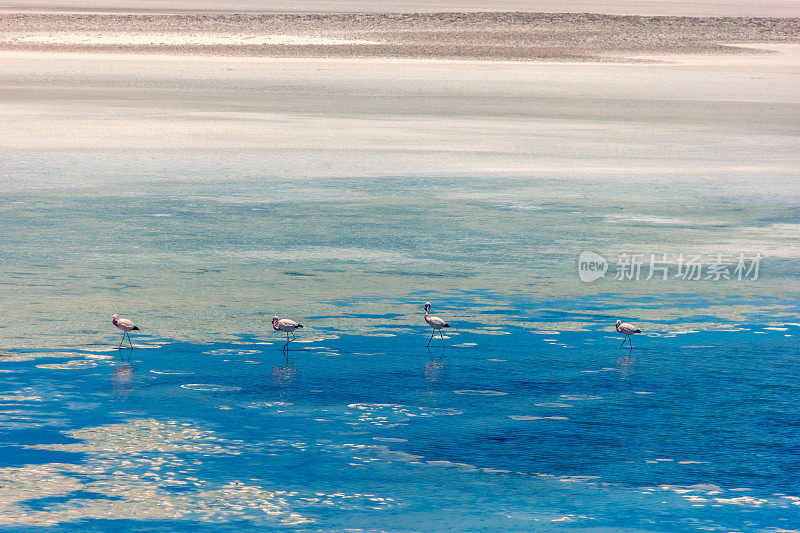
(754, 54)
(692, 8)
(491, 36)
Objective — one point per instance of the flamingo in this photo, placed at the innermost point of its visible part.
(627, 330)
(284, 324)
(435, 322)
(125, 325)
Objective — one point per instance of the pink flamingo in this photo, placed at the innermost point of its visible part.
(126, 326)
(435, 322)
(627, 330)
(284, 324)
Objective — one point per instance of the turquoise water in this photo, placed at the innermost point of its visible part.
(504, 429)
(200, 197)
(186, 264)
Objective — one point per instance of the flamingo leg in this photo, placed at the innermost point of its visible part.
(630, 341)
(121, 341)
(293, 337)
(623, 341)
(129, 340)
(442, 337)
(432, 334)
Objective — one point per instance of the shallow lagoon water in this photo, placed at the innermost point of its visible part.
(515, 432)
(201, 196)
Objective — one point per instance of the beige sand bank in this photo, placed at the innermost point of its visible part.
(693, 8)
(484, 36)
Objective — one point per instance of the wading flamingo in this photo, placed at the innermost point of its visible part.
(125, 325)
(435, 322)
(627, 330)
(284, 324)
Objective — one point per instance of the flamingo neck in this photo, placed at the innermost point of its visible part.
(276, 325)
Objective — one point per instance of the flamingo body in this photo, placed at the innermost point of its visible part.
(286, 325)
(435, 322)
(126, 325)
(627, 330)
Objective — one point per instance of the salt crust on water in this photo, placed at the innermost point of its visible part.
(208, 387)
(19, 398)
(525, 417)
(135, 480)
(471, 392)
(579, 397)
(18, 357)
(390, 415)
(135, 464)
(69, 365)
(231, 351)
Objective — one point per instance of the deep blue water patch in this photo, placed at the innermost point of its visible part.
(508, 429)
(19, 456)
(43, 503)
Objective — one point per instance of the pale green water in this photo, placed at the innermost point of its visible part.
(200, 198)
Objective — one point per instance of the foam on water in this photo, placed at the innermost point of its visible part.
(69, 365)
(232, 351)
(210, 388)
(470, 392)
(579, 397)
(98, 357)
(527, 417)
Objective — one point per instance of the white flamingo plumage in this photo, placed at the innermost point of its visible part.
(435, 322)
(627, 330)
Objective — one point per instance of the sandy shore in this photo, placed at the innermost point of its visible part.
(686, 8)
(483, 36)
